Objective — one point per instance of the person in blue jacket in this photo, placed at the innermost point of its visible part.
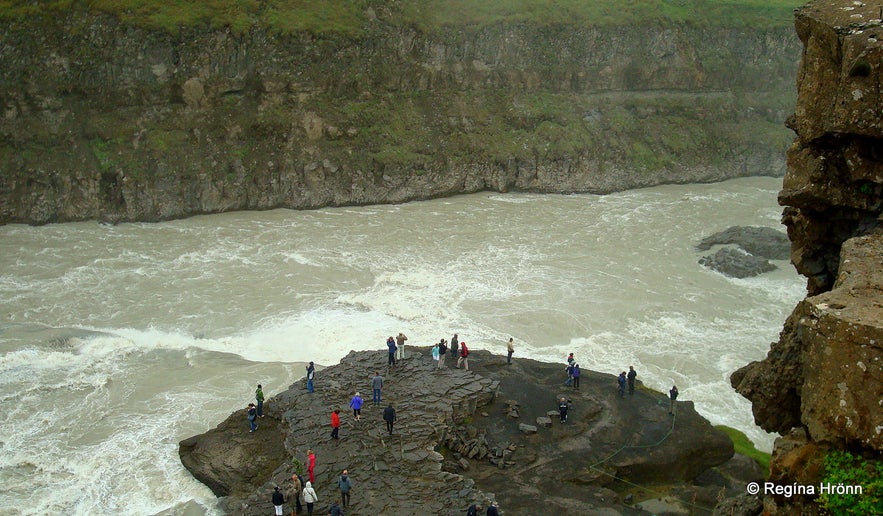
(575, 374)
(252, 415)
(622, 381)
(391, 344)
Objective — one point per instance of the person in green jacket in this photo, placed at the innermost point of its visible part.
(259, 396)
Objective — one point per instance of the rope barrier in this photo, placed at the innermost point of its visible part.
(643, 446)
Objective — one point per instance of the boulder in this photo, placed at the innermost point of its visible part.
(736, 263)
(764, 242)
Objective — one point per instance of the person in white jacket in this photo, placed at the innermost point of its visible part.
(310, 497)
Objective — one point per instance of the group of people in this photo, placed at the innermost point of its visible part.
(254, 411)
(301, 492)
(573, 372)
(458, 350)
(627, 379)
(396, 347)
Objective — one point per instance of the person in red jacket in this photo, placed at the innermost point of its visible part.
(464, 356)
(311, 465)
(335, 424)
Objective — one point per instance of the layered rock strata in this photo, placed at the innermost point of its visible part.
(822, 382)
(105, 120)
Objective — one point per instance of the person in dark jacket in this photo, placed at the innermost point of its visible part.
(563, 405)
(673, 397)
(391, 345)
(389, 415)
(492, 510)
(259, 397)
(473, 510)
(622, 382)
(278, 500)
(345, 485)
(252, 415)
(631, 380)
(311, 375)
(442, 353)
(455, 347)
(335, 509)
(576, 373)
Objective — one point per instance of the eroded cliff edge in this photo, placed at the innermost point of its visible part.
(106, 120)
(821, 385)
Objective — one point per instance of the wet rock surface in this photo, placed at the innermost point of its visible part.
(748, 250)
(455, 441)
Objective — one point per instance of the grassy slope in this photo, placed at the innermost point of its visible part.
(347, 16)
(745, 447)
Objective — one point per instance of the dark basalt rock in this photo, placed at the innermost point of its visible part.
(748, 251)
(765, 242)
(445, 453)
(736, 263)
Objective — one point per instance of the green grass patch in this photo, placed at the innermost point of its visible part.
(744, 446)
(350, 17)
(432, 14)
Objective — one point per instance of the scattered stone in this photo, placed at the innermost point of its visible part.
(528, 429)
(544, 421)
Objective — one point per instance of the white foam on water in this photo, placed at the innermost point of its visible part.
(94, 429)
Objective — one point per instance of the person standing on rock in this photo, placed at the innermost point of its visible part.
(391, 347)
(622, 382)
(252, 415)
(356, 405)
(389, 415)
(510, 348)
(345, 485)
(673, 400)
(631, 380)
(335, 509)
(294, 495)
(569, 371)
(455, 351)
(400, 343)
(278, 500)
(563, 405)
(311, 467)
(464, 356)
(492, 510)
(473, 510)
(435, 355)
(310, 496)
(335, 424)
(259, 397)
(311, 374)
(377, 387)
(576, 374)
(442, 352)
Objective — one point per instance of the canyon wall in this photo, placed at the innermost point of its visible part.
(821, 385)
(105, 120)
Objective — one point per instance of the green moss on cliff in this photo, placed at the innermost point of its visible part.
(349, 17)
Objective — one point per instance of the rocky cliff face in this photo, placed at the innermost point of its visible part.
(102, 120)
(824, 377)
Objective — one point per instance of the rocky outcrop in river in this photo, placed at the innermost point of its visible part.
(472, 437)
(104, 119)
(822, 383)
